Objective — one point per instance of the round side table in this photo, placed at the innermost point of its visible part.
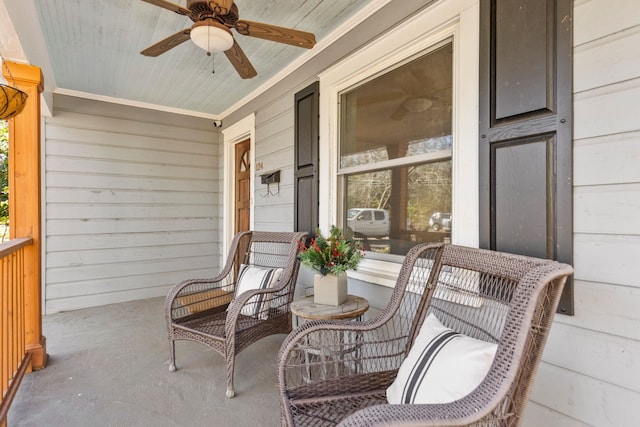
(331, 350)
(354, 307)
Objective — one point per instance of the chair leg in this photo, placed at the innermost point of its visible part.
(172, 353)
(230, 365)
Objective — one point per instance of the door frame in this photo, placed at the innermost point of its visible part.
(241, 130)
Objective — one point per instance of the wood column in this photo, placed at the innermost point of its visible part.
(24, 199)
(399, 197)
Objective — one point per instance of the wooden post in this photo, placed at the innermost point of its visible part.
(399, 197)
(24, 198)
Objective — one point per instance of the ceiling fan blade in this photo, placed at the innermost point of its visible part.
(221, 7)
(169, 43)
(170, 6)
(277, 34)
(240, 61)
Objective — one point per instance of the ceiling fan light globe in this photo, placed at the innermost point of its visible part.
(211, 36)
(418, 104)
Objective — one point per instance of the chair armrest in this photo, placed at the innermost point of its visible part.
(367, 354)
(410, 415)
(194, 296)
(246, 299)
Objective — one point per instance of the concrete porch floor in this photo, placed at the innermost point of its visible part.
(108, 367)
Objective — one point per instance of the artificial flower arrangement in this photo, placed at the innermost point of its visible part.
(331, 255)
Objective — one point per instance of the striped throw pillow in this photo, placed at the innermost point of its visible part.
(252, 277)
(442, 366)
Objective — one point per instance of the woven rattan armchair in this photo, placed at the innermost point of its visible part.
(500, 298)
(208, 311)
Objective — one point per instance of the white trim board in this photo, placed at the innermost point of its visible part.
(239, 131)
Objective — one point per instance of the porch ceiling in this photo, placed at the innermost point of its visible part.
(92, 48)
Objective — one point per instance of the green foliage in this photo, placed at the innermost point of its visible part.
(332, 255)
(4, 171)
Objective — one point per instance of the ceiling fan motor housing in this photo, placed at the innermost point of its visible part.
(206, 9)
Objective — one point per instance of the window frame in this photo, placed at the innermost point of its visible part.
(453, 20)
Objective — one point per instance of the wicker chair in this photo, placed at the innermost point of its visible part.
(500, 298)
(208, 311)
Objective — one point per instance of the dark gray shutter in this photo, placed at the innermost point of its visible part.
(306, 159)
(526, 129)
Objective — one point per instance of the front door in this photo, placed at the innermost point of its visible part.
(243, 185)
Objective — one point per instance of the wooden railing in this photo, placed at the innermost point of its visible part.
(14, 360)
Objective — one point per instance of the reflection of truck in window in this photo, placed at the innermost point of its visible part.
(368, 222)
(440, 221)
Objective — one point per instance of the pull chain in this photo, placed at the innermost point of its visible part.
(209, 52)
(213, 63)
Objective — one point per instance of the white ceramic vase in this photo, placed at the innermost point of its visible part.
(330, 289)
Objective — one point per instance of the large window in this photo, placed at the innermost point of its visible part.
(398, 125)
(395, 154)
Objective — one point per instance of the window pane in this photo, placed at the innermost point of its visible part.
(405, 112)
(391, 210)
(395, 118)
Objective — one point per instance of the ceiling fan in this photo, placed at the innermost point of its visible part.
(211, 31)
(412, 92)
(402, 104)
(421, 104)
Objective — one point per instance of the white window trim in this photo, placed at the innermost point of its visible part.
(457, 19)
(237, 132)
(401, 161)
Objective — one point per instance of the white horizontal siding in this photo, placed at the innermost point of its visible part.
(608, 60)
(607, 258)
(538, 415)
(612, 359)
(275, 139)
(117, 276)
(583, 398)
(67, 179)
(606, 308)
(79, 242)
(282, 122)
(609, 209)
(594, 19)
(69, 118)
(131, 207)
(590, 374)
(276, 151)
(116, 153)
(96, 257)
(282, 212)
(131, 169)
(159, 138)
(277, 106)
(607, 110)
(114, 225)
(609, 159)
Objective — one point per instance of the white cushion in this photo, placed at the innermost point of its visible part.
(252, 277)
(442, 366)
